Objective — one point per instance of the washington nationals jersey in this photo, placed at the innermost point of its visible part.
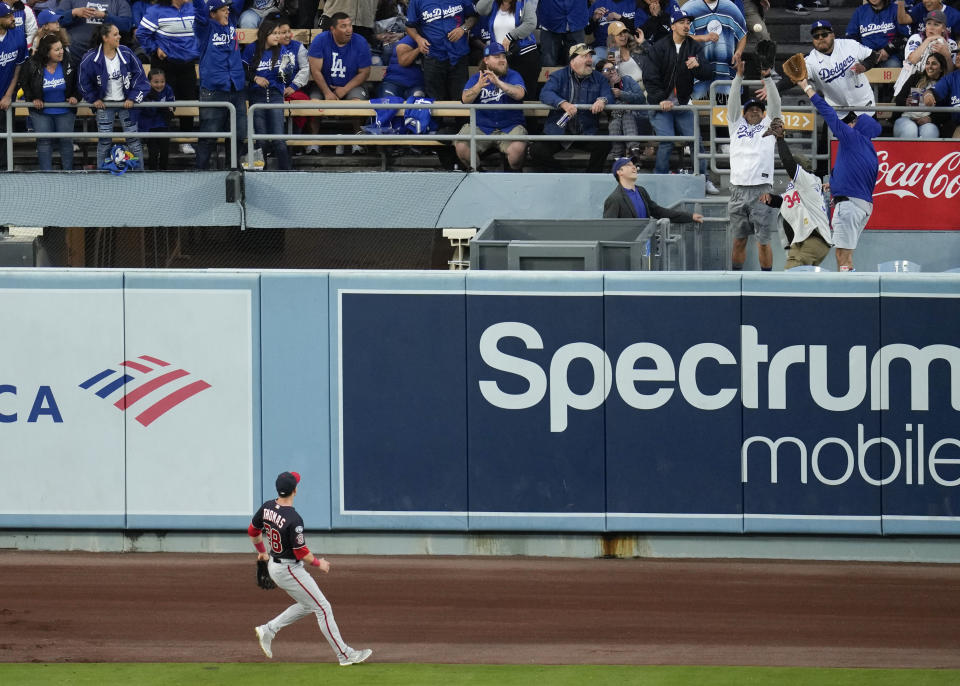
(834, 78)
(804, 207)
(753, 153)
(340, 62)
(282, 530)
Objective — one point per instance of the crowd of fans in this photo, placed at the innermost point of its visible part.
(655, 52)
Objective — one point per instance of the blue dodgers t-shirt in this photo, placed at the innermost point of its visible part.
(54, 90)
(434, 19)
(408, 77)
(340, 63)
(948, 88)
(489, 121)
(637, 200)
(13, 51)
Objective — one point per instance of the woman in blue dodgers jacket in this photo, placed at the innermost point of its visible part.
(270, 67)
(512, 24)
(111, 73)
(222, 78)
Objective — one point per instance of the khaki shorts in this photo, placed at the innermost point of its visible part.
(483, 146)
(810, 251)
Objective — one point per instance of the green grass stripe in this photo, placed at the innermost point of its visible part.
(284, 674)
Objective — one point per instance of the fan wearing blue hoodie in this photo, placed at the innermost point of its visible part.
(853, 178)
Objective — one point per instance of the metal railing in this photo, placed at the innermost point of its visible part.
(230, 136)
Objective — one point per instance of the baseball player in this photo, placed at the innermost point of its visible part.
(835, 67)
(854, 176)
(751, 171)
(803, 210)
(283, 527)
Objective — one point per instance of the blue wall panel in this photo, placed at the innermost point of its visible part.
(539, 465)
(789, 329)
(397, 350)
(670, 465)
(921, 452)
(295, 406)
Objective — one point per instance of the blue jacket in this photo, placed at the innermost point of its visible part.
(169, 28)
(563, 16)
(221, 68)
(878, 30)
(153, 118)
(855, 171)
(92, 80)
(279, 73)
(564, 86)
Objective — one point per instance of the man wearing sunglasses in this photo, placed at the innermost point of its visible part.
(836, 67)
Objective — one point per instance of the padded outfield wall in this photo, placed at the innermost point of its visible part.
(480, 401)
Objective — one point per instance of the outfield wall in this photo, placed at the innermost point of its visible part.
(700, 403)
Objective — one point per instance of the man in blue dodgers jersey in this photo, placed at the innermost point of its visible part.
(442, 30)
(836, 66)
(854, 176)
(876, 26)
(166, 34)
(751, 171)
(13, 53)
(919, 11)
(222, 78)
(803, 209)
(562, 24)
(723, 19)
(946, 93)
(82, 18)
(496, 84)
(278, 522)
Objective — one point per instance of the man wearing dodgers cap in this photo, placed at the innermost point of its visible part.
(496, 84)
(13, 53)
(630, 201)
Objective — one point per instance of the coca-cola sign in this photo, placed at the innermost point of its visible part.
(918, 184)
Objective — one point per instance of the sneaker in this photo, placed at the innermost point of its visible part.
(357, 149)
(265, 637)
(799, 10)
(187, 149)
(818, 6)
(339, 150)
(711, 189)
(356, 657)
(313, 149)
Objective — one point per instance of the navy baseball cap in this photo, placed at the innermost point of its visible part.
(620, 162)
(47, 17)
(494, 48)
(821, 24)
(214, 5)
(286, 482)
(5, 9)
(753, 102)
(677, 15)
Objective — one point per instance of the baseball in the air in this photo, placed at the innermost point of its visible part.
(757, 28)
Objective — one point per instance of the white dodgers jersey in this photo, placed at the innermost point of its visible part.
(804, 207)
(839, 84)
(751, 155)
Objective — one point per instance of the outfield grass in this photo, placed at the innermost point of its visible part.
(280, 674)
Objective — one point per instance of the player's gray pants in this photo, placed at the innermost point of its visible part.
(300, 585)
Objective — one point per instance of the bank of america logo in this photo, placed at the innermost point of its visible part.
(144, 382)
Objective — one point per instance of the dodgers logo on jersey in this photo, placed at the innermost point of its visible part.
(8, 57)
(837, 71)
(490, 95)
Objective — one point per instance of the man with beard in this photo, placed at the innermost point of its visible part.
(496, 84)
(577, 84)
(13, 53)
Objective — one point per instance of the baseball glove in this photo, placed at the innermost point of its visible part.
(263, 576)
(766, 54)
(795, 68)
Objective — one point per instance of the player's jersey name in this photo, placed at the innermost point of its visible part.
(273, 517)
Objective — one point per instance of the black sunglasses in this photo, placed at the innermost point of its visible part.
(821, 34)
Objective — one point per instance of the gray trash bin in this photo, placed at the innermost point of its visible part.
(568, 245)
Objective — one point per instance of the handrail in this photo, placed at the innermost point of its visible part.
(10, 136)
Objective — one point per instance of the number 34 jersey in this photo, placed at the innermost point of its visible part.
(282, 529)
(804, 207)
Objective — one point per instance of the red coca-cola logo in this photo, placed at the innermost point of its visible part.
(917, 179)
